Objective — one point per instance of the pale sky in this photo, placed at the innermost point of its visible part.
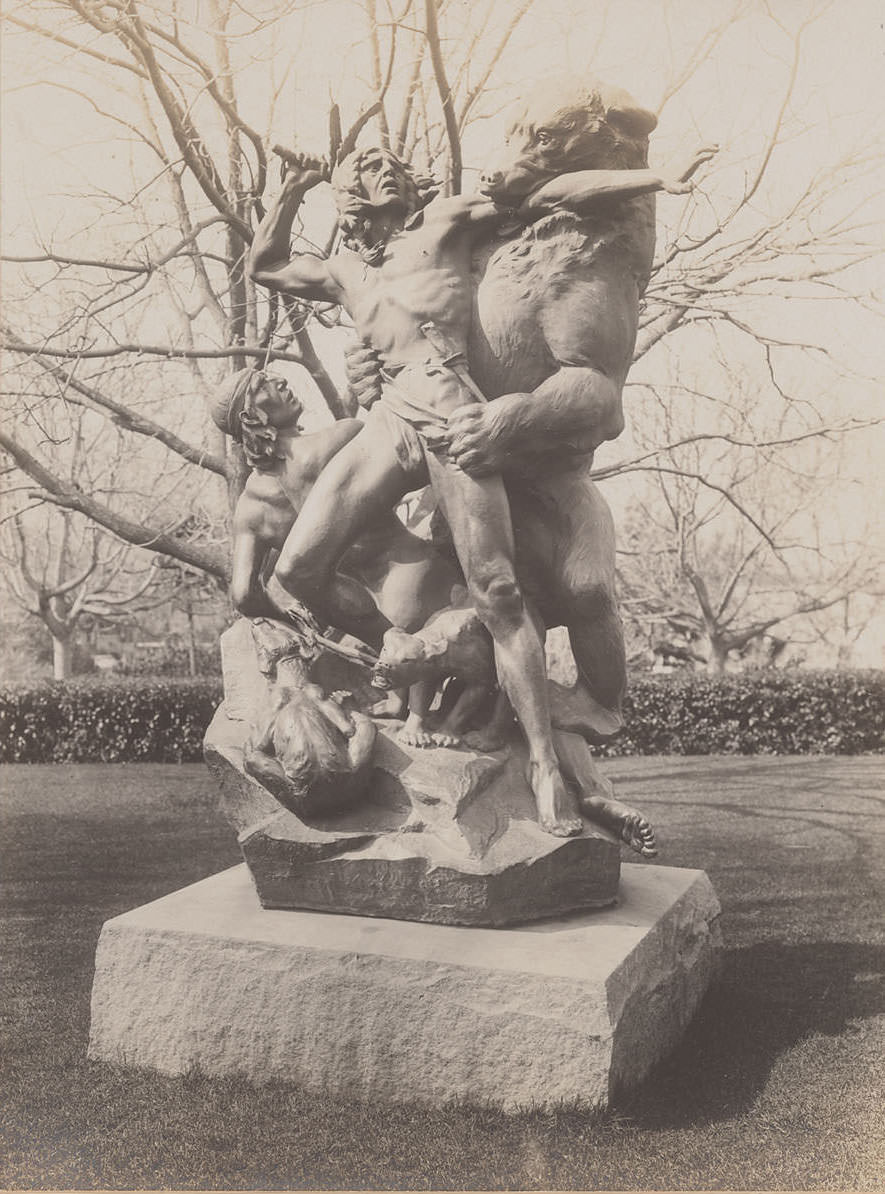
(55, 147)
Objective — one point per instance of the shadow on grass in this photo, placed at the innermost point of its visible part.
(767, 999)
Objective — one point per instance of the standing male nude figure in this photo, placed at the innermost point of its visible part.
(413, 270)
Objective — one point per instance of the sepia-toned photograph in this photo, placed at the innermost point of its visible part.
(442, 560)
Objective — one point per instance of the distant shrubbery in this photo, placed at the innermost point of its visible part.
(767, 711)
(130, 720)
(138, 720)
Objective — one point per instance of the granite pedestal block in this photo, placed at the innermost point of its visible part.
(567, 1010)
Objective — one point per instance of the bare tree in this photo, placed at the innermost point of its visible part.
(60, 569)
(139, 315)
(708, 574)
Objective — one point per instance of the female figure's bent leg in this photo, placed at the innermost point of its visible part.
(362, 480)
(478, 513)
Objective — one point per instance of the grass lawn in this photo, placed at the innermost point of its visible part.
(778, 1084)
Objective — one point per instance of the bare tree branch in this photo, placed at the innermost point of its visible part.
(68, 496)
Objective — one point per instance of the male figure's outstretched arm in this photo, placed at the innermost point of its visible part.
(581, 188)
(302, 275)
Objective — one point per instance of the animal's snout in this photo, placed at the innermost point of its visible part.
(381, 676)
(511, 175)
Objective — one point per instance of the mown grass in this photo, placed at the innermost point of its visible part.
(777, 1084)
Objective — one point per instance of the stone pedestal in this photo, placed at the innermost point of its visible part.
(567, 1010)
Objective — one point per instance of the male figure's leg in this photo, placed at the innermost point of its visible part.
(478, 513)
(568, 540)
(363, 479)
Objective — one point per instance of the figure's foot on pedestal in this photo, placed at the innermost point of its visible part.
(627, 823)
(414, 733)
(444, 738)
(557, 809)
(639, 835)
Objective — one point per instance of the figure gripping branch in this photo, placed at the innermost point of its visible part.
(403, 275)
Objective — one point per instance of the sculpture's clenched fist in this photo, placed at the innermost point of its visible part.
(477, 438)
(363, 374)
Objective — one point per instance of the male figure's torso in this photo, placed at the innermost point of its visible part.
(424, 276)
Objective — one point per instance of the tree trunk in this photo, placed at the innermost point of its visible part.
(62, 657)
(718, 657)
(191, 642)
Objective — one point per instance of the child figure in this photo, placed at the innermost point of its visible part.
(408, 578)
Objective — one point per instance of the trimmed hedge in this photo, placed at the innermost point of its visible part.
(766, 711)
(762, 712)
(119, 721)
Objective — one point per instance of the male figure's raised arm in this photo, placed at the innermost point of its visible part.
(304, 275)
(582, 188)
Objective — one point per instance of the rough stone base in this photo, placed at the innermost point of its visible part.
(441, 835)
(567, 1010)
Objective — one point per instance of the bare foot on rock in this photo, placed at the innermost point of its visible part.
(443, 738)
(414, 733)
(626, 823)
(639, 835)
(558, 811)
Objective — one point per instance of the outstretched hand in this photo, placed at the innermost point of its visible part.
(679, 184)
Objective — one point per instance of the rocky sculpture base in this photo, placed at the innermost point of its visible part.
(442, 835)
(566, 1012)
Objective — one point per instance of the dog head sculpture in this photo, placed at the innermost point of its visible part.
(405, 659)
(568, 125)
(453, 642)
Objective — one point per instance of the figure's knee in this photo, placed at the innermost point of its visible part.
(496, 595)
(299, 568)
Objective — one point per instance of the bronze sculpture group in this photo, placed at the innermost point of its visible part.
(502, 325)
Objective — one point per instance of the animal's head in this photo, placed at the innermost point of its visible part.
(568, 125)
(305, 742)
(404, 660)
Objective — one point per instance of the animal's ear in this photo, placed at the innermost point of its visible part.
(623, 113)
